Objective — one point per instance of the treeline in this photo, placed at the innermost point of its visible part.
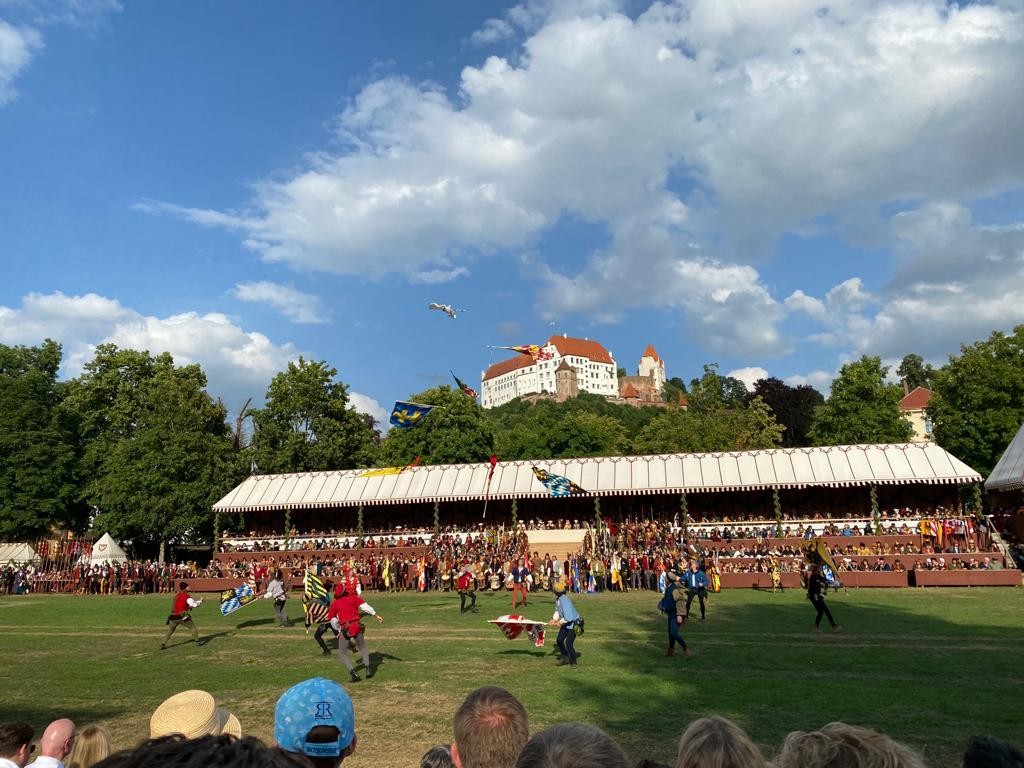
(137, 447)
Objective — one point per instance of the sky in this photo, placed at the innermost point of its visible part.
(775, 186)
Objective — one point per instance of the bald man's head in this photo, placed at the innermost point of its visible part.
(57, 739)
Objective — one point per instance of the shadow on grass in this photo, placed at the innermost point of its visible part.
(255, 623)
(41, 715)
(523, 652)
(213, 636)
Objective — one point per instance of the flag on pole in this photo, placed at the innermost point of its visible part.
(470, 392)
(233, 599)
(405, 415)
(487, 489)
(313, 586)
(534, 351)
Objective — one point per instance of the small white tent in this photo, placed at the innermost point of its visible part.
(106, 550)
(17, 554)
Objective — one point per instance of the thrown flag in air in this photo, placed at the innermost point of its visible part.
(559, 485)
(816, 551)
(405, 415)
(233, 599)
(464, 386)
(382, 471)
(532, 350)
(512, 626)
(448, 309)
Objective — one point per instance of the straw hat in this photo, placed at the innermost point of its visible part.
(192, 714)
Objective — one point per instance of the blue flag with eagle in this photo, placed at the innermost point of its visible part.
(233, 599)
(405, 415)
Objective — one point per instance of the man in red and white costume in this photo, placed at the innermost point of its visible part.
(344, 616)
(183, 603)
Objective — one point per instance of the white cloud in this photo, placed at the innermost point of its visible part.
(493, 31)
(366, 404)
(297, 306)
(17, 46)
(820, 380)
(238, 363)
(437, 276)
(749, 375)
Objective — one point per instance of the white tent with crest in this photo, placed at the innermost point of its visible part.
(106, 550)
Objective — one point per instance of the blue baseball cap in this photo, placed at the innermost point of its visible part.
(303, 707)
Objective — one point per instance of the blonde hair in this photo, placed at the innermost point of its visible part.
(92, 744)
(714, 742)
(839, 745)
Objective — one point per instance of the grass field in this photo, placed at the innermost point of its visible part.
(929, 667)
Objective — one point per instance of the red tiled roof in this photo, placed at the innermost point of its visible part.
(629, 391)
(917, 399)
(651, 352)
(592, 350)
(507, 366)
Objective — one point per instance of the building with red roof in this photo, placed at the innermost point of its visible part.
(913, 406)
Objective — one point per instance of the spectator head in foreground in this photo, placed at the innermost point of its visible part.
(192, 714)
(15, 743)
(714, 742)
(55, 744)
(990, 752)
(572, 745)
(839, 745)
(437, 757)
(92, 744)
(490, 728)
(223, 751)
(315, 719)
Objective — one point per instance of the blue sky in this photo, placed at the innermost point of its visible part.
(774, 185)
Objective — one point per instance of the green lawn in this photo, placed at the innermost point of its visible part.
(929, 667)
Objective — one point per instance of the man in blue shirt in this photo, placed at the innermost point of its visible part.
(696, 586)
(670, 605)
(566, 618)
(520, 575)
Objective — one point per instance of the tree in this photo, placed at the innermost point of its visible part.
(737, 429)
(793, 408)
(713, 392)
(914, 373)
(620, 372)
(156, 446)
(861, 408)
(307, 424)
(454, 432)
(37, 453)
(977, 402)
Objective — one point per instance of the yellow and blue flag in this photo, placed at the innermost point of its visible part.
(405, 415)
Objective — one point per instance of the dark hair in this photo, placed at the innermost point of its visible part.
(437, 757)
(990, 752)
(183, 585)
(572, 745)
(224, 751)
(490, 728)
(14, 736)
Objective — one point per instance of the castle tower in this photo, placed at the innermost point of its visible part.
(653, 367)
(566, 386)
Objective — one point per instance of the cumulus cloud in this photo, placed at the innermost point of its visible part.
(297, 306)
(238, 363)
(820, 380)
(437, 276)
(17, 46)
(749, 375)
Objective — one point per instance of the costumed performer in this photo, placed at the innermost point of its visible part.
(344, 617)
(183, 604)
(567, 619)
(672, 605)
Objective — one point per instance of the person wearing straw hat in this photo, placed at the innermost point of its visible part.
(567, 619)
(192, 713)
(315, 719)
(183, 604)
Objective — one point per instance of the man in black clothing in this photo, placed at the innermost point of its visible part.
(815, 583)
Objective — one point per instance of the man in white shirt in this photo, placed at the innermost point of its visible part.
(55, 745)
(15, 744)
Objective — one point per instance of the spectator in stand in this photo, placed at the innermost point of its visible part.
(315, 719)
(990, 752)
(55, 744)
(714, 742)
(92, 744)
(490, 729)
(839, 745)
(572, 745)
(15, 744)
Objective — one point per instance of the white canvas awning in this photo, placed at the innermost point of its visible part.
(833, 466)
(17, 554)
(106, 550)
(1008, 474)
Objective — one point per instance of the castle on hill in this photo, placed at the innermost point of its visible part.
(576, 365)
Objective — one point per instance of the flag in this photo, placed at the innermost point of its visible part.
(233, 599)
(389, 470)
(405, 415)
(487, 489)
(559, 485)
(470, 392)
(313, 586)
(817, 552)
(533, 350)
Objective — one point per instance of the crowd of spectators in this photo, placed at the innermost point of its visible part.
(315, 727)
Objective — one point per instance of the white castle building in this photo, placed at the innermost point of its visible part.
(520, 375)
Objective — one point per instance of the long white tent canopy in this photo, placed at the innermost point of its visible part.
(1008, 474)
(832, 466)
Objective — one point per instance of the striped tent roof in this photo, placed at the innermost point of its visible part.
(1008, 474)
(833, 466)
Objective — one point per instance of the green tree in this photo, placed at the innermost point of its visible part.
(307, 424)
(977, 402)
(454, 432)
(37, 448)
(914, 373)
(713, 392)
(736, 429)
(156, 446)
(861, 408)
(793, 408)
